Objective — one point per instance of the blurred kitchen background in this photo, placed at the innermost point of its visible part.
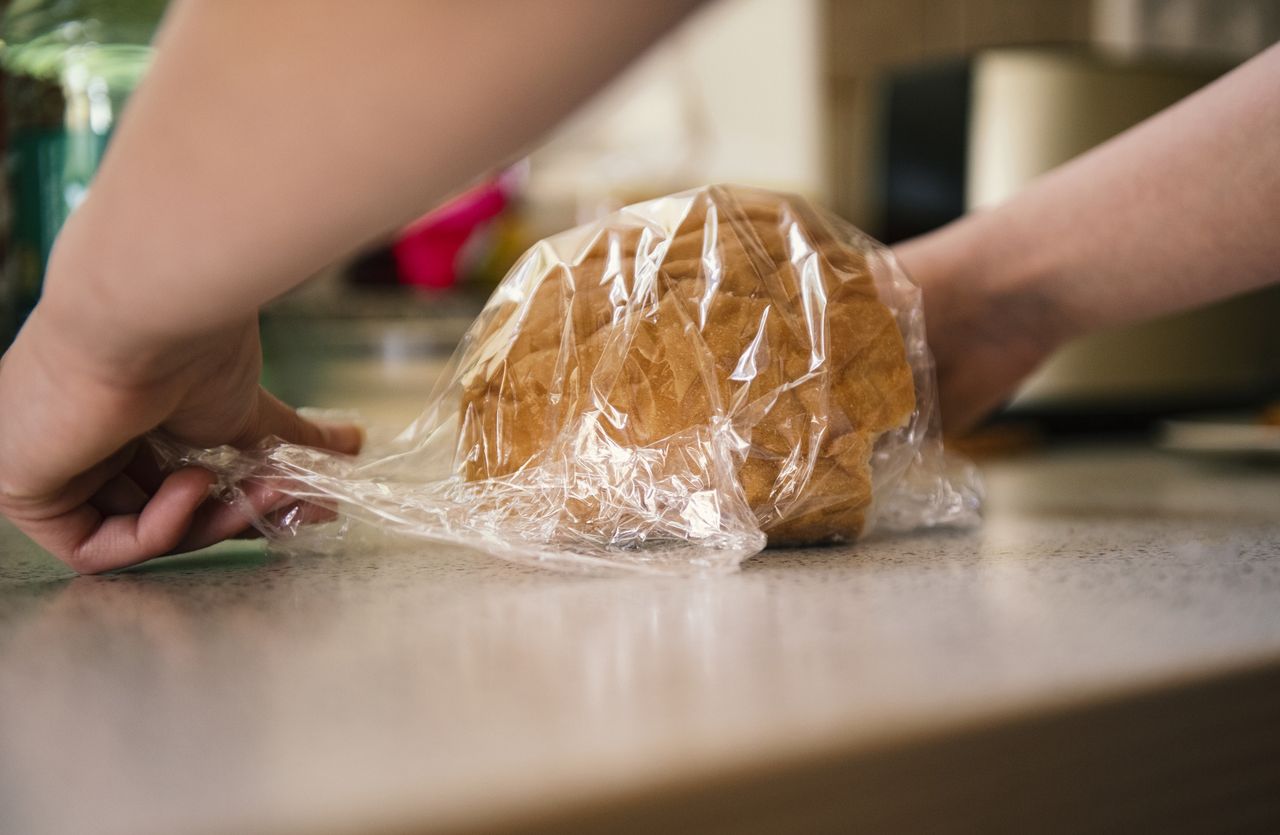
(899, 114)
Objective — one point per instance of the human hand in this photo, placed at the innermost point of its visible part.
(1175, 213)
(75, 475)
(989, 324)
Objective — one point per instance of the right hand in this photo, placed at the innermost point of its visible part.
(75, 475)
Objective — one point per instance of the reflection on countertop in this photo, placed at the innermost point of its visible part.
(236, 690)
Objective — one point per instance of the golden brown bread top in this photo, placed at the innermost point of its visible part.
(753, 311)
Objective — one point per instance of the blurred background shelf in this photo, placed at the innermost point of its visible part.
(901, 114)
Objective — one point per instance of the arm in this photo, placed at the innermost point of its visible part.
(272, 138)
(267, 140)
(1179, 211)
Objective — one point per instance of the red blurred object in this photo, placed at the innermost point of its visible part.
(429, 252)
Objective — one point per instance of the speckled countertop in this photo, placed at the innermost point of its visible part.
(233, 691)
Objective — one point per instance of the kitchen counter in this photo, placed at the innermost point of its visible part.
(1104, 650)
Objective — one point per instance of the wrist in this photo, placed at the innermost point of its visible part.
(96, 313)
(983, 272)
(989, 313)
(1021, 275)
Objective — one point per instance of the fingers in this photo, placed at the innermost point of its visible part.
(121, 525)
(273, 418)
(212, 522)
(134, 528)
(217, 520)
(178, 518)
(90, 542)
(132, 538)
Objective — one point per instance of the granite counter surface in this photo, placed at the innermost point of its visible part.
(234, 690)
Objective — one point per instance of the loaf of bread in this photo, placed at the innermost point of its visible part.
(747, 310)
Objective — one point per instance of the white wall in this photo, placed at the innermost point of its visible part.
(732, 96)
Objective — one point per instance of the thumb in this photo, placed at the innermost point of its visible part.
(274, 418)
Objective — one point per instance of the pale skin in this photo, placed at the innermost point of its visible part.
(230, 181)
(1178, 212)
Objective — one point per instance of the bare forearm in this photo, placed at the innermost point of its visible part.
(270, 138)
(1178, 212)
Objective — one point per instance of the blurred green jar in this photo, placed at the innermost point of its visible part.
(69, 66)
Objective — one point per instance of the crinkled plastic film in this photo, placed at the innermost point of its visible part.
(667, 390)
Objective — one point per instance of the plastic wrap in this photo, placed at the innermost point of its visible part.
(666, 390)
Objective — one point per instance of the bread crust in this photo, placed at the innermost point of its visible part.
(752, 311)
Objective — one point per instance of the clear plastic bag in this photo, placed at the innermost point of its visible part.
(666, 391)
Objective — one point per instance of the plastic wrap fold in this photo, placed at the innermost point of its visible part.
(666, 390)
